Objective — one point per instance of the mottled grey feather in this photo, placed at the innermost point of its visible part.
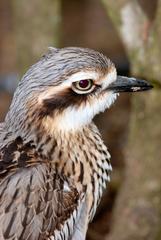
(34, 204)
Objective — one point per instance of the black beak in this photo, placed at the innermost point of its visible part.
(125, 84)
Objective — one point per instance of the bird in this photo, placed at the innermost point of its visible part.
(54, 164)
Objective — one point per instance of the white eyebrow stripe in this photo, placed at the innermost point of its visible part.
(109, 78)
(82, 75)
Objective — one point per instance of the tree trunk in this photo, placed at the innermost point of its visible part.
(137, 214)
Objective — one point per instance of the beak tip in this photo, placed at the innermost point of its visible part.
(144, 86)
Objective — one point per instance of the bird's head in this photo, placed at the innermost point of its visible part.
(66, 89)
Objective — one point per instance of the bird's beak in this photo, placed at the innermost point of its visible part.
(125, 84)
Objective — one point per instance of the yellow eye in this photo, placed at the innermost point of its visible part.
(83, 86)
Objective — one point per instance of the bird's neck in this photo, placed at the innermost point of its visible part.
(83, 158)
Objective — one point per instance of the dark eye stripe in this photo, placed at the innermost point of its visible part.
(63, 100)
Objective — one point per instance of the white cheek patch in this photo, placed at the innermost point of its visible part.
(73, 118)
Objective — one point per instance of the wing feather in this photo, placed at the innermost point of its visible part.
(37, 203)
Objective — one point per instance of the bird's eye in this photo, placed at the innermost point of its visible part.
(83, 86)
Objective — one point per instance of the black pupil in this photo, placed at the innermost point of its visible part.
(84, 83)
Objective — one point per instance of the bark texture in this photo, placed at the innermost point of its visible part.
(137, 214)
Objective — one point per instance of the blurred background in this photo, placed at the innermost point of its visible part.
(129, 33)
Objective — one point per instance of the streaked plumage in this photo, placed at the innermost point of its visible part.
(53, 162)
